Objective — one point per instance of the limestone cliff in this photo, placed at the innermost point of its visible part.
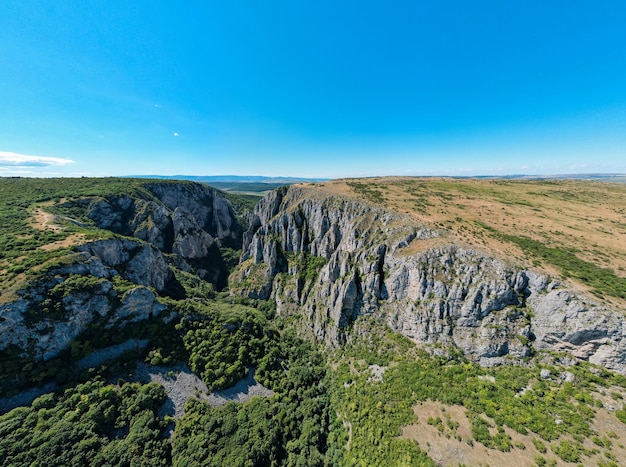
(180, 224)
(332, 259)
(187, 219)
(68, 299)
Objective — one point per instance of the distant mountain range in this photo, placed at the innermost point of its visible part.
(290, 180)
(608, 177)
(259, 185)
(234, 178)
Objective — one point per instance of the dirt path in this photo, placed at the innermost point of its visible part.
(42, 220)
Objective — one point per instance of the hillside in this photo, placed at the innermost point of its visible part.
(571, 228)
(393, 321)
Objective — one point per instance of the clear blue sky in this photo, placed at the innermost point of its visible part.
(312, 88)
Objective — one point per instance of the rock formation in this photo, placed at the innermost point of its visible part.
(188, 219)
(448, 295)
(329, 259)
(50, 314)
(183, 224)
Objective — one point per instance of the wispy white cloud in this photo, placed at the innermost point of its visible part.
(12, 159)
(176, 134)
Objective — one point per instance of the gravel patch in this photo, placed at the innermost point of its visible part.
(240, 392)
(377, 373)
(181, 384)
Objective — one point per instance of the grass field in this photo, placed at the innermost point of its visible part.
(573, 229)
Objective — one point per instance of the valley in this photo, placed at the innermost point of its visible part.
(389, 321)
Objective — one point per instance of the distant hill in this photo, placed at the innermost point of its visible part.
(256, 185)
(607, 177)
(234, 178)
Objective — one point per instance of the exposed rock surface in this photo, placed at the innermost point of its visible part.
(44, 336)
(173, 223)
(188, 219)
(137, 262)
(181, 384)
(446, 295)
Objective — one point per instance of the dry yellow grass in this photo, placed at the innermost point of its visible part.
(448, 450)
(585, 216)
(39, 220)
(43, 220)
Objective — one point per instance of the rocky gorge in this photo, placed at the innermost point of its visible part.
(491, 310)
(330, 260)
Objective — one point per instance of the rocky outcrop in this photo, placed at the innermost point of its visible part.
(446, 295)
(173, 223)
(59, 308)
(571, 323)
(188, 219)
(137, 262)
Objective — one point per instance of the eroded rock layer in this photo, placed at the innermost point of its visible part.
(118, 280)
(332, 260)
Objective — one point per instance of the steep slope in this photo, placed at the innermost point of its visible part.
(114, 279)
(331, 258)
(186, 219)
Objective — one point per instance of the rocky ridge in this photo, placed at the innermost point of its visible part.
(51, 313)
(448, 295)
(180, 224)
(189, 220)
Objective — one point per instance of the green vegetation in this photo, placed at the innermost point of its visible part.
(63, 202)
(368, 191)
(222, 347)
(603, 280)
(243, 204)
(19, 371)
(308, 266)
(51, 308)
(247, 187)
(89, 424)
(328, 408)
(289, 428)
(219, 339)
(230, 258)
(510, 397)
(539, 445)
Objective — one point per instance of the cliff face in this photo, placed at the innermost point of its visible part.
(187, 219)
(57, 309)
(181, 224)
(333, 259)
(328, 259)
